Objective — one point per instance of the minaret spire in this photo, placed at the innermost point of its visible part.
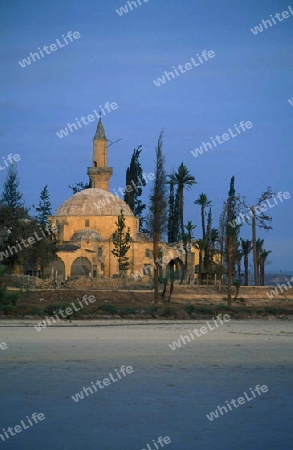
(100, 133)
(100, 173)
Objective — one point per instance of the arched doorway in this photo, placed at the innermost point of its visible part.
(175, 266)
(81, 267)
(55, 270)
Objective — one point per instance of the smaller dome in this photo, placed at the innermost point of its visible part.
(86, 235)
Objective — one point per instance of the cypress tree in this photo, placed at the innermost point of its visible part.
(11, 196)
(121, 241)
(231, 241)
(157, 218)
(44, 208)
(134, 179)
(81, 186)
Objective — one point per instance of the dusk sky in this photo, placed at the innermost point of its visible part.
(116, 59)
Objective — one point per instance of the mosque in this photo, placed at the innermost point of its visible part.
(86, 223)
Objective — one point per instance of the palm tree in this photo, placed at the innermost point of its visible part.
(264, 255)
(246, 246)
(203, 202)
(184, 180)
(189, 228)
(200, 245)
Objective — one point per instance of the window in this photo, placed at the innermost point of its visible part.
(100, 251)
(60, 227)
(102, 267)
(87, 222)
(147, 253)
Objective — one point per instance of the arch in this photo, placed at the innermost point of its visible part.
(81, 267)
(55, 270)
(175, 266)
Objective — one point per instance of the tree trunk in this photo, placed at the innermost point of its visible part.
(239, 270)
(230, 275)
(199, 268)
(156, 269)
(262, 273)
(164, 288)
(182, 233)
(171, 290)
(202, 223)
(246, 270)
(255, 264)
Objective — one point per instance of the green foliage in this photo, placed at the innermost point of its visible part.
(12, 297)
(121, 241)
(44, 208)
(24, 310)
(8, 297)
(78, 187)
(127, 311)
(11, 196)
(55, 307)
(203, 202)
(173, 214)
(7, 309)
(157, 218)
(198, 309)
(109, 309)
(3, 291)
(134, 177)
(190, 309)
(183, 180)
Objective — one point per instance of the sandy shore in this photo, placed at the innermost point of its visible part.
(169, 393)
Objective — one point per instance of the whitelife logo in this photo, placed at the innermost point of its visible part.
(200, 332)
(226, 137)
(106, 382)
(11, 158)
(53, 47)
(241, 400)
(19, 428)
(72, 126)
(11, 250)
(259, 28)
(124, 9)
(204, 57)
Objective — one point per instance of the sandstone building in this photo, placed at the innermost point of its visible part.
(86, 223)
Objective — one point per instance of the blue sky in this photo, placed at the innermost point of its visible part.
(116, 59)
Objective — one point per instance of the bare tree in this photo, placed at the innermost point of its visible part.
(255, 217)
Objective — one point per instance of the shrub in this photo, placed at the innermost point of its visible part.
(107, 308)
(23, 310)
(127, 311)
(153, 310)
(166, 312)
(54, 308)
(221, 307)
(7, 309)
(12, 297)
(190, 309)
(2, 294)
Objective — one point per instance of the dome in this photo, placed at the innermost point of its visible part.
(93, 202)
(86, 235)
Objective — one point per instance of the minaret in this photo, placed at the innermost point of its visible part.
(100, 173)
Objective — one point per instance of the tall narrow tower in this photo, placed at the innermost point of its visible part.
(100, 173)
